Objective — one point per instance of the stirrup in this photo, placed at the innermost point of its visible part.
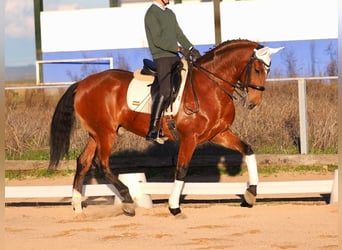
(154, 135)
(161, 140)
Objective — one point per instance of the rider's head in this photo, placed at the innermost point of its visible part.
(164, 2)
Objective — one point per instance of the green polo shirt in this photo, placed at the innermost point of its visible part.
(163, 32)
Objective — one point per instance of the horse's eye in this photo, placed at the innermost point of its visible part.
(257, 71)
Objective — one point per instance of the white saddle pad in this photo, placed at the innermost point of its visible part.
(139, 94)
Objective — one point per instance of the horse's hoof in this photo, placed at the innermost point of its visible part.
(128, 209)
(244, 203)
(175, 211)
(77, 209)
(249, 199)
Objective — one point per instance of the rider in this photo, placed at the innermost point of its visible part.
(163, 35)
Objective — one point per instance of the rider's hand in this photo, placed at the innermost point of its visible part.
(184, 52)
(194, 54)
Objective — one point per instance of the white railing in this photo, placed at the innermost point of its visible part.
(141, 190)
(66, 61)
(302, 104)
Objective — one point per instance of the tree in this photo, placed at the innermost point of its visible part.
(290, 61)
(313, 57)
(332, 68)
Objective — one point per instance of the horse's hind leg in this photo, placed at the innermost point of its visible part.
(229, 140)
(84, 162)
(105, 143)
(102, 146)
(128, 206)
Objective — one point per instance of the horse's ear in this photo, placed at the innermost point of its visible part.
(267, 51)
(264, 54)
(274, 50)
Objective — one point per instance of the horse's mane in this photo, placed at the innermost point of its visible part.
(225, 47)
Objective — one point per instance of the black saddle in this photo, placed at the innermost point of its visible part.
(149, 68)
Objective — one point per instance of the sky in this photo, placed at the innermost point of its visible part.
(19, 26)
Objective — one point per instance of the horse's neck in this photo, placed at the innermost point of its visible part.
(226, 68)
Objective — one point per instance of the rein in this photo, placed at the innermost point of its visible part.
(237, 87)
(238, 84)
(208, 75)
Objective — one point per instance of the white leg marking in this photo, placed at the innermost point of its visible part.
(252, 169)
(175, 194)
(77, 201)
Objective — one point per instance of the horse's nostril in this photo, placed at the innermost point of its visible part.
(251, 106)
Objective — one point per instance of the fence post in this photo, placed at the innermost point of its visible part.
(38, 73)
(334, 190)
(132, 181)
(302, 116)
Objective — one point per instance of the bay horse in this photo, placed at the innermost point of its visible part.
(99, 103)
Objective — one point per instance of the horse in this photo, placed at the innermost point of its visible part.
(234, 67)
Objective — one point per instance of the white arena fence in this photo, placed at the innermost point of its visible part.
(141, 190)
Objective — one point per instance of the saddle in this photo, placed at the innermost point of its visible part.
(143, 87)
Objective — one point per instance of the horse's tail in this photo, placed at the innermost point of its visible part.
(61, 126)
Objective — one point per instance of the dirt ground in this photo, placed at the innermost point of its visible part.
(282, 222)
(203, 226)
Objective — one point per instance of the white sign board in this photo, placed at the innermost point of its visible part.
(123, 27)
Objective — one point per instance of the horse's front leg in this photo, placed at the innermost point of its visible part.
(185, 152)
(252, 167)
(231, 141)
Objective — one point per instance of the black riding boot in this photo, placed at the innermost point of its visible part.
(157, 110)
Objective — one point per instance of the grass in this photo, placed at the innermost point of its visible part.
(36, 173)
(40, 155)
(300, 169)
(270, 170)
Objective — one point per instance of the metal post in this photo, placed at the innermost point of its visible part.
(114, 3)
(303, 116)
(111, 63)
(217, 21)
(38, 7)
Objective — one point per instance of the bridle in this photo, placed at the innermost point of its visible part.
(248, 70)
(238, 86)
(241, 89)
(260, 53)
